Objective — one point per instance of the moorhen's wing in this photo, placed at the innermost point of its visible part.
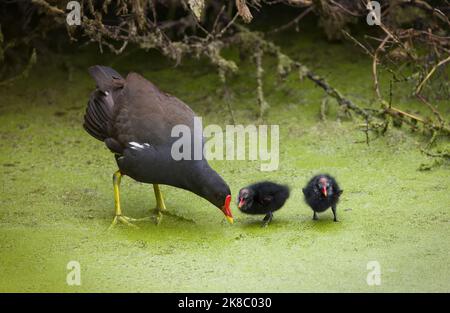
(144, 114)
(142, 124)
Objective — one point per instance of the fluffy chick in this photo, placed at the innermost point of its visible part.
(322, 192)
(263, 198)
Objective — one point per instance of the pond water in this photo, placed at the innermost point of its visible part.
(57, 197)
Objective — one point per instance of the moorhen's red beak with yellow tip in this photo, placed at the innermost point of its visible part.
(226, 209)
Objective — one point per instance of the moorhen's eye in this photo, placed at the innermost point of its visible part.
(219, 196)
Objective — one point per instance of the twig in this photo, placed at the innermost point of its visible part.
(430, 73)
(51, 9)
(263, 105)
(213, 29)
(357, 42)
(366, 131)
(323, 109)
(293, 22)
(425, 6)
(374, 66)
(433, 109)
(333, 92)
(436, 155)
(390, 93)
(368, 52)
(227, 26)
(226, 98)
(345, 9)
(396, 111)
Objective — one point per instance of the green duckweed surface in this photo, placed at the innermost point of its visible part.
(57, 200)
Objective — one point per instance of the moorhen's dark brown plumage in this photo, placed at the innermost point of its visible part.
(263, 198)
(322, 192)
(135, 119)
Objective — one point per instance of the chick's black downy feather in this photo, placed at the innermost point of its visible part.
(321, 193)
(263, 198)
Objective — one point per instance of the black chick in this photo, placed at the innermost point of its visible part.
(262, 198)
(322, 192)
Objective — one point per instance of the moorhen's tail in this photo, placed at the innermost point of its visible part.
(105, 77)
(101, 103)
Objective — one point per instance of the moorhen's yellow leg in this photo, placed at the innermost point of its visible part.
(119, 217)
(160, 205)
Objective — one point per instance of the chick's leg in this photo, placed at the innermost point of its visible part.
(315, 216)
(267, 219)
(333, 208)
(117, 177)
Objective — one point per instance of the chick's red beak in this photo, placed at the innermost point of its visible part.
(241, 203)
(226, 209)
(324, 191)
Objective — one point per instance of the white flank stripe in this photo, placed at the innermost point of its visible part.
(136, 145)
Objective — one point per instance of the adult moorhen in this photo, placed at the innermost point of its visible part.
(135, 119)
